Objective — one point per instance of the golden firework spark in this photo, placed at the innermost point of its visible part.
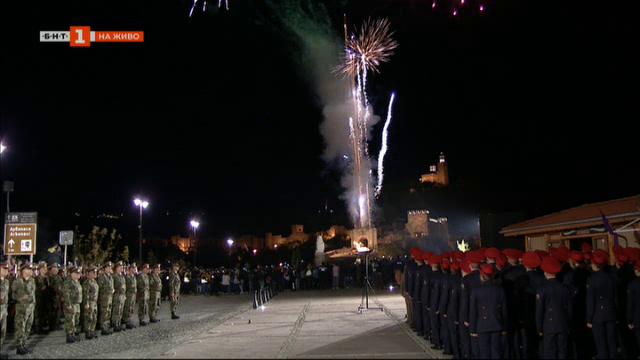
(372, 46)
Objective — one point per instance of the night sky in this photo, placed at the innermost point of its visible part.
(214, 114)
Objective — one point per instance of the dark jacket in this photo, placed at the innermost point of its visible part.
(488, 309)
(601, 298)
(553, 308)
(633, 302)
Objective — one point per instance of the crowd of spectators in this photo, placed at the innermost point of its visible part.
(345, 273)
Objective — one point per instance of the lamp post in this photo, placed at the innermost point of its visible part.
(194, 225)
(142, 204)
(230, 242)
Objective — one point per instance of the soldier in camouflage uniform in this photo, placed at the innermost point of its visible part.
(23, 291)
(4, 301)
(105, 282)
(119, 296)
(72, 293)
(155, 291)
(41, 316)
(90, 292)
(55, 286)
(142, 282)
(174, 289)
(130, 302)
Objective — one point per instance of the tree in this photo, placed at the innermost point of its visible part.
(95, 247)
(125, 254)
(151, 259)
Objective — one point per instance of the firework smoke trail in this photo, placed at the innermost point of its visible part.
(192, 7)
(383, 150)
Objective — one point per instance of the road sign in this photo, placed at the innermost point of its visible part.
(66, 237)
(20, 233)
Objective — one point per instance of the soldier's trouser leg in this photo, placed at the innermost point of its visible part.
(426, 322)
(530, 343)
(152, 306)
(128, 309)
(417, 320)
(174, 303)
(454, 339)
(489, 345)
(3, 324)
(54, 315)
(105, 314)
(143, 309)
(158, 303)
(435, 329)
(465, 341)
(91, 317)
(71, 319)
(116, 316)
(605, 338)
(407, 300)
(444, 334)
(475, 347)
(23, 322)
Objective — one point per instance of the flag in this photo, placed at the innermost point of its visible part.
(608, 227)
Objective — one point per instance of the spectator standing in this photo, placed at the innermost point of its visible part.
(336, 276)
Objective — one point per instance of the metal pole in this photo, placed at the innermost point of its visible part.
(8, 201)
(140, 240)
(65, 254)
(195, 248)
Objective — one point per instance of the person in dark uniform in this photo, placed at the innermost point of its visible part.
(488, 314)
(443, 306)
(576, 279)
(472, 282)
(410, 267)
(453, 308)
(601, 306)
(509, 276)
(633, 306)
(425, 294)
(417, 293)
(492, 255)
(463, 318)
(553, 312)
(623, 275)
(527, 286)
(435, 288)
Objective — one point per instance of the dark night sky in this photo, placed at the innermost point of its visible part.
(530, 102)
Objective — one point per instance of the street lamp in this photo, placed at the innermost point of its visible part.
(2, 148)
(230, 242)
(142, 204)
(194, 225)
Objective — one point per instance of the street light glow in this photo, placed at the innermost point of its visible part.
(137, 202)
(2, 147)
(230, 242)
(195, 224)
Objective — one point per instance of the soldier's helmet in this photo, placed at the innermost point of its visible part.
(158, 266)
(54, 265)
(175, 265)
(74, 269)
(132, 265)
(119, 264)
(145, 266)
(91, 268)
(26, 265)
(107, 264)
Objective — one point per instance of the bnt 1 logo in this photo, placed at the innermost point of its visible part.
(82, 36)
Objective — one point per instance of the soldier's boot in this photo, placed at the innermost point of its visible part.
(88, 335)
(174, 316)
(21, 350)
(154, 320)
(117, 328)
(28, 350)
(4, 356)
(130, 325)
(143, 323)
(71, 338)
(106, 332)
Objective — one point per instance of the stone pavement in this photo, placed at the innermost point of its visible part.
(302, 324)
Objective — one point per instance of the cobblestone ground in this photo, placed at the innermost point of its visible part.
(197, 314)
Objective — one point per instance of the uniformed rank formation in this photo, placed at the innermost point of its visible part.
(95, 297)
(492, 304)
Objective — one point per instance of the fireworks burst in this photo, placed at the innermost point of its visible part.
(372, 46)
(383, 150)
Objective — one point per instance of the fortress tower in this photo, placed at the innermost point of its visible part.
(438, 174)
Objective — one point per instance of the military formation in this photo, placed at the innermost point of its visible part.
(95, 296)
(510, 304)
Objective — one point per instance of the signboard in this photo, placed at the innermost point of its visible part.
(66, 237)
(20, 233)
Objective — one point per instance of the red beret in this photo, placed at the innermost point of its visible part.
(474, 257)
(446, 255)
(587, 255)
(513, 253)
(531, 259)
(446, 263)
(576, 256)
(617, 249)
(560, 255)
(543, 254)
(553, 250)
(417, 255)
(459, 255)
(586, 247)
(427, 256)
(632, 253)
(414, 250)
(487, 270)
(550, 265)
(600, 257)
(455, 265)
(622, 258)
(481, 251)
(563, 249)
(501, 260)
(465, 266)
(435, 259)
(492, 253)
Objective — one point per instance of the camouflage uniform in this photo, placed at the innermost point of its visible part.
(4, 301)
(105, 282)
(90, 292)
(72, 293)
(155, 290)
(55, 284)
(129, 304)
(119, 297)
(41, 315)
(143, 296)
(174, 291)
(24, 293)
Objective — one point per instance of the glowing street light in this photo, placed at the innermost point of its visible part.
(255, 251)
(142, 204)
(2, 147)
(194, 225)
